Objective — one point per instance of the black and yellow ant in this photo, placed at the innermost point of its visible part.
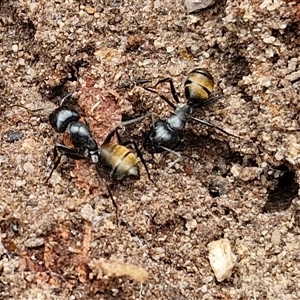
(164, 135)
(117, 159)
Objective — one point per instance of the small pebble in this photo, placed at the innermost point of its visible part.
(20, 182)
(193, 6)
(269, 40)
(222, 259)
(87, 212)
(15, 48)
(28, 167)
(34, 242)
(170, 49)
(276, 237)
(293, 76)
(12, 136)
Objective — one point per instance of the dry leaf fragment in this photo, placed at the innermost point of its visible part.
(34, 242)
(221, 258)
(106, 53)
(119, 268)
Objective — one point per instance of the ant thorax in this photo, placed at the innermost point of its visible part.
(178, 120)
(82, 138)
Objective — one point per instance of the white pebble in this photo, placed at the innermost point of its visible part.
(20, 182)
(191, 224)
(195, 5)
(87, 212)
(276, 237)
(15, 48)
(204, 289)
(293, 76)
(221, 258)
(28, 167)
(269, 40)
(170, 49)
(236, 170)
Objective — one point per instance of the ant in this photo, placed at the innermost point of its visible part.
(119, 160)
(165, 135)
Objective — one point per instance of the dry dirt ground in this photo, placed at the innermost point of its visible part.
(60, 240)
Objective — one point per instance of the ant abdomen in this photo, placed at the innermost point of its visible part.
(198, 87)
(121, 162)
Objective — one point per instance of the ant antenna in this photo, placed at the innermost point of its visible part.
(64, 98)
(214, 126)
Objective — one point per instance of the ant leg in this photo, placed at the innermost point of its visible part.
(125, 123)
(214, 126)
(136, 148)
(34, 111)
(161, 96)
(56, 163)
(119, 137)
(64, 150)
(87, 124)
(173, 90)
(212, 100)
(178, 159)
(141, 81)
(129, 122)
(172, 87)
(139, 154)
(153, 120)
(69, 152)
(175, 95)
(101, 175)
(109, 136)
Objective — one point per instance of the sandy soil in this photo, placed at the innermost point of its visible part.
(60, 240)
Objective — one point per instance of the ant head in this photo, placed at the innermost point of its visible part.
(61, 117)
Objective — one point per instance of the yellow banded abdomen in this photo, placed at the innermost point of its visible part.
(198, 86)
(120, 160)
